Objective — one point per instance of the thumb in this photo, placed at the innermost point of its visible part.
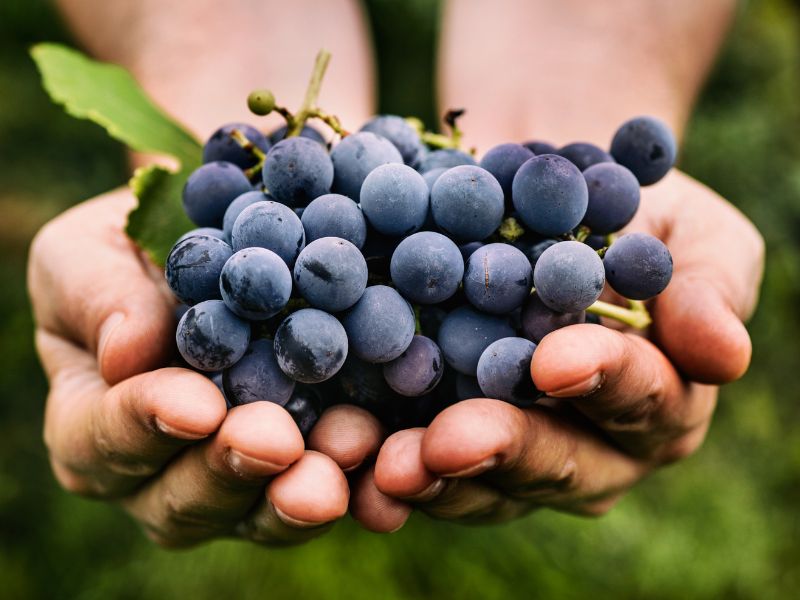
(88, 284)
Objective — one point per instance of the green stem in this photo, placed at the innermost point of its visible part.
(437, 140)
(285, 113)
(247, 145)
(331, 121)
(312, 93)
(583, 233)
(636, 317)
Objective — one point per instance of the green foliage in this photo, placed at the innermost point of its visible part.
(109, 96)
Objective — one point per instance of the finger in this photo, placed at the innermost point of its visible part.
(301, 503)
(104, 441)
(623, 383)
(88, 284)
(532, 454)
(212, 486)
(401, 473)
(347, 434)
(375, 510)
(718, 263)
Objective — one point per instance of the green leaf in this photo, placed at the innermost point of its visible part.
(159, 219)
(108, 95)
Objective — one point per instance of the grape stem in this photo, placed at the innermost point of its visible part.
(636, 316)
(331, 121)
(582, 233)
(309, 105)
(247, 145)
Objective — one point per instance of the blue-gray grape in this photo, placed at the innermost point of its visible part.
(305, 406)
(331, 274)
(432, 176)
(503, 162)
(504, 371)
(297, 170)
(210, 189)
(193, 268)
(646, 146)
(467, 387)
(380, 326)
(537, 320)
(417, 370)
(210, 337)
(613, 197)
(427, 267)
(356, 156)
(638, 266)
(446, 158)
(221, 146)
(464, 335)
(538, 147)
(401, 134)
(497, 278)
(467, 203)
(210, 231)
(334, 215)
(550, 194)
(237, 206)
(569, 277)
(255, 283)
(310, 345)
(394, 199)
(583, 155)
(269, 225)
(257, 377)
(276, 135)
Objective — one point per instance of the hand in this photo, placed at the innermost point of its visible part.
(159, 440)
(619, 404)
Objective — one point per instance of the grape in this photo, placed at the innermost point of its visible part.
(210, 337)
(331, 274)
(503, 161)
(193, 268)
(305, 406)
(363, 384)
(427, 267)
(550, 194)
(446, 158)
(269, 225)
(646, 146)
(593, 319)
(467, 387)
(257, 377)
(356, 156)
(467, 203)
(583, 155)
(209, 231)
(297, 170)
(308, 132)
(310, 345)
(261, 102)
(417, 370)
(638, 266)
(538, 147)
(237, 206)
(504, 371)
(497, 278)
(432, 176)
(535, 250)
(255, 283)
(613, 197)
(210, 189)
(465, 334)
(394, 199)
(221, 146)
(468, 248)
(378, 251)
(401, 134)
(595, 241)
(430, 320)
(334, 215)
(569, 277)
(538, 320)
(380, 326)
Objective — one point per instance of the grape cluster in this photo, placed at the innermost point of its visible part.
(398, 276)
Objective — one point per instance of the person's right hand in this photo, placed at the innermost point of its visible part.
(119, 426)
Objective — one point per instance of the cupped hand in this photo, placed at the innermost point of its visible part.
(121, 426)
(619, 404)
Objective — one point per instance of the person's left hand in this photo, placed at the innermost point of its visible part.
(618, 404)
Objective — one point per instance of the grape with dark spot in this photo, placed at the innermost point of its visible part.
(257, 377)
(331, 274)
(255, 283)
(193, 268)
(210, 337)
(504, 371)
(310, 345)
(417, 370)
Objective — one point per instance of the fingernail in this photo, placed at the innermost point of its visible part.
(291, 521)
(584, 388)
(177, 433)
(429, 493)
(248, 466)
(485, 465)
(106, 331)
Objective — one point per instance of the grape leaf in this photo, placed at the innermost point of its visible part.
(108, 95)
(159, 218)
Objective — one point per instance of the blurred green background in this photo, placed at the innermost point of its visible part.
(724, 523)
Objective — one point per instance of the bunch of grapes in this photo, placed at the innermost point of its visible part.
(393, 271)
